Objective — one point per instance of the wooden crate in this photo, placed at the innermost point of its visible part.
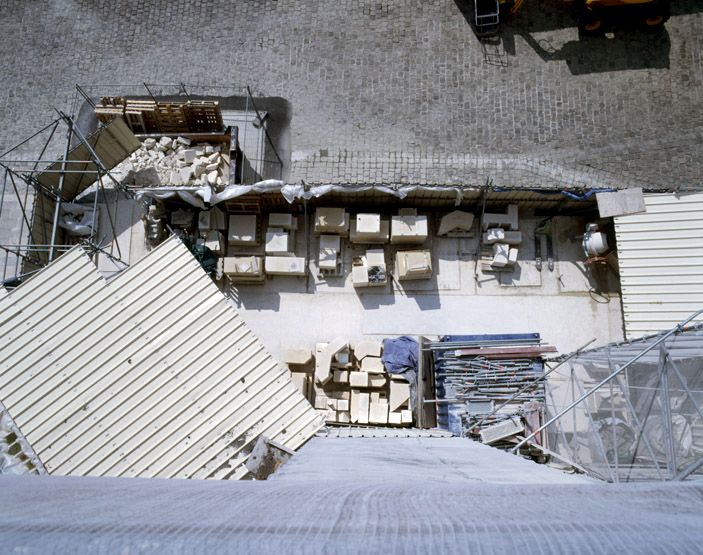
(204, 116)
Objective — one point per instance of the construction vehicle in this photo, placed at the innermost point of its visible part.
(592, 16)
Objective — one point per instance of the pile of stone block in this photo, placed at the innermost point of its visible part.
(177, 162)
(349, 384)
(501, 236)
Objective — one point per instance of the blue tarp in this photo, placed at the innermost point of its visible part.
(400, 356)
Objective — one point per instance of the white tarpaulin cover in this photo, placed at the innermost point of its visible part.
(201, 196)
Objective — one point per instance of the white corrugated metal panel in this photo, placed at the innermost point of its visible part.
(153, 374)
(661, 262)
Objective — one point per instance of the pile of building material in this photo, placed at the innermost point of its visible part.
(152, 374)
(486, 385)
(349, 384)
(499, 240)
(177, 162)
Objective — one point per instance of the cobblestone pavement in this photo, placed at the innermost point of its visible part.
(390, 91)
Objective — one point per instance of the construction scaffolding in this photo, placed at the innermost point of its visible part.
(631, 411)
(78, 151)
(45, 190)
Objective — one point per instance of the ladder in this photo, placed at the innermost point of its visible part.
(486, 17)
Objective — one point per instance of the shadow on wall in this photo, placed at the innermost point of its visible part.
(626, 46)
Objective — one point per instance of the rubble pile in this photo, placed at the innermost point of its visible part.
(177, 162)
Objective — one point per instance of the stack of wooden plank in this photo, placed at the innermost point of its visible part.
(173, 117)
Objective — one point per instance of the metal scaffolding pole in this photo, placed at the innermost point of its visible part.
(62, 178)
(618, 370)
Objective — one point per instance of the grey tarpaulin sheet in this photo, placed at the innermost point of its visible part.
(204, 196)
(428, 504)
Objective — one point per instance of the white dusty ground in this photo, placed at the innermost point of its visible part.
(290, 311)
(557, 304)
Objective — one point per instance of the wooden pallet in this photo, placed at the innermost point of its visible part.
(168, 118)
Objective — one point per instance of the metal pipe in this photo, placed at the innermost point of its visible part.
(677, 329)
(640, 430)
(665, 405)
(690, 469)
(62, 179)
(28, 139)
(96, 159)
(533, 383)
(24, 212)
(266, 133)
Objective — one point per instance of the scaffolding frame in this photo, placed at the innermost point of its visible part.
(643, 418)
(37, 244)
(31, 249)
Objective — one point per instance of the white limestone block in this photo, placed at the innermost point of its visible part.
(242, 229)
(215, 241)
(395, 418)
(367, 348)
(414, 264)
(360, 276)
(508, 220)
(323, 360)
(341, 376)
(278, 242)
(372, 365)
(359, 407)
(358, 379)
(285, 265)
(282, 220)
(296, 355)
(331, 220)
(400, 394)
(457, 220)
(500, 255)
(378, 413)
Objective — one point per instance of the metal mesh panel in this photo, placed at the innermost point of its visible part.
(640, 417)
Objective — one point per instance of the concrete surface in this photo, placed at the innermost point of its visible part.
(392, 90)
(112, 515)
(415, 460)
